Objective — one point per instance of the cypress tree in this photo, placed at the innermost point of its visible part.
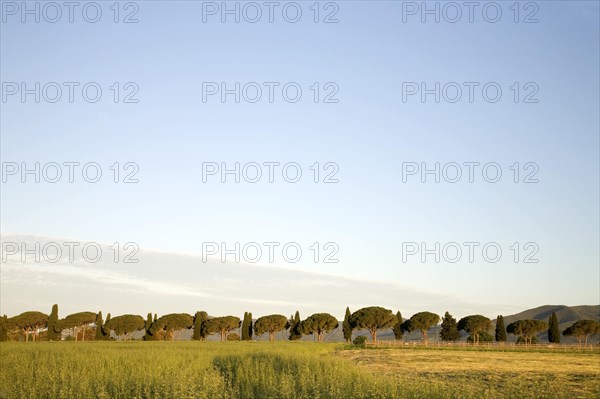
(106, 332)
(346, 326)
(500, 329)
(553, 330)
(147, 335)
(99, 325)
(199, 327)
(295, 333)
(397, 328)
(245, 327)
(449, 331)
(53, 328)
(250, 326)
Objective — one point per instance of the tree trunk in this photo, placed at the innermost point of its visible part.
(374, 335)
(424, 332)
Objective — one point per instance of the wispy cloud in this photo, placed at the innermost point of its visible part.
(166, 282)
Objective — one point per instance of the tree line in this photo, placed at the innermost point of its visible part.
(92, 326)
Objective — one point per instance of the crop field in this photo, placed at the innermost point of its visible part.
(289, 370)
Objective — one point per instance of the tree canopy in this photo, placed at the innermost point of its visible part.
(319, 324)
(475, 325)
(422, 321)
(271, 324)
(222, 325)
(78, 321)
(372, 318)
(582, 329)
(30, 323)
(526, 329)
(167, 325)
(125, 325)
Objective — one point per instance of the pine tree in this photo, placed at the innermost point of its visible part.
(553, 330)
(99, 324)
(449, 331)
(500, 329)
(346, 326)
(295, 333)
(53, 328)
(397, 328)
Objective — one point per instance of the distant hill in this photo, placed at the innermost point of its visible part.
(567, 315)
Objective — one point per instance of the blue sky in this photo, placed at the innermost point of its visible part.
(369, 133)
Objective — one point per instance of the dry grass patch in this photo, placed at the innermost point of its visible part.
(467, 373)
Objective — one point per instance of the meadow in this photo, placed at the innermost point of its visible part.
(289, 370)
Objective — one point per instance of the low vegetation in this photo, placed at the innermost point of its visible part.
(260, 370)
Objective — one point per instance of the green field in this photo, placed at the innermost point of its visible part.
(289, 370)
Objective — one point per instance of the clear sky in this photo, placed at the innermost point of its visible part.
(369, 133)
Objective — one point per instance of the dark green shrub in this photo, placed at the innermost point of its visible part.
(360, 341)
(233, 337)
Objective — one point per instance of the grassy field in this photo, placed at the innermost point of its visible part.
(288, 370)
